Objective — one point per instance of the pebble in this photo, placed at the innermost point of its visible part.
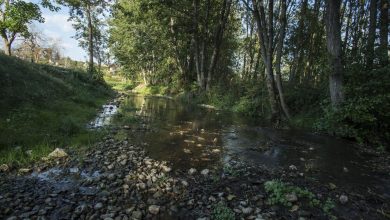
(4, 168)
(205, 172)
(247, 211)
(98, 206)
(192, 171)
(154, 209)
(291, 197)
(343, 199)
(184, 183)
(136, 214)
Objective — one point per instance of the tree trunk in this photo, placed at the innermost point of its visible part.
(278, 80)
(90, 39)
(265, 34)
(7, 48)
(384, 32)
(371, 34)
(333, 42)
(218, 40)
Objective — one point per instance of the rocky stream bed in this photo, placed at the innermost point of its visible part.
(118, 179)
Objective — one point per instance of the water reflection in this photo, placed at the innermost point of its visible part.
(189, 136)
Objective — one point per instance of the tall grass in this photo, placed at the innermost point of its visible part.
(43, 107)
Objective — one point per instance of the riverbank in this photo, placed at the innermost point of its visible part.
(117, 179)
(44, 107)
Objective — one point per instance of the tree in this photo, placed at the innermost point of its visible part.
(15, 15)
(333, 40)
(82, 12)
(265, 32)
(371, 34)
(32, 45)
(384, 32)
(279, 49)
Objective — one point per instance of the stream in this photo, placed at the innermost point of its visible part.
(191, 136)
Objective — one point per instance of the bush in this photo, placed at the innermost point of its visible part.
(365, 115)
(222, 212)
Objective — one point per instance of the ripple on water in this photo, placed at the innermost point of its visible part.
(105, 117)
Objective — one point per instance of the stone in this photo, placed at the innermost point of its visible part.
(332, 186)
(4, 168)
(154, 209)
(291, 197)
(98, 206)
(166, 169)
(292, 167)
(230, 197)
(184, 183)
(29, 152)
(136, 215)
(74, 170)
(58, 153)
(343, 199)
(247, 211)
(80, 209)
(192, 171)
(205, 172)
(24, 170)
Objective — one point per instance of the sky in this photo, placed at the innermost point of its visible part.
(58, 27)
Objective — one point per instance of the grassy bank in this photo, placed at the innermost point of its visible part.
(44, 107)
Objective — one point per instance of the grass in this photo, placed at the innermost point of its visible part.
(44, 107)
(119, 83)
(278, 192)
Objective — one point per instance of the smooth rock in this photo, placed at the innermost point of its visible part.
(4, 168)
(293, 167)
(247, 211)
(154, 209)
(192, 171)
(291, 197)
(136, 215)
(24, 170)
(205, 172)
(343, 199)
(57, 153)
(98, 206)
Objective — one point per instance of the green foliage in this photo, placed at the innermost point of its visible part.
(365, 115)
(69, 126)
(44, 107)
(278, 192)
(222, 212)
(16, 15)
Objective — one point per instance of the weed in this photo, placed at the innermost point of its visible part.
(222, 212)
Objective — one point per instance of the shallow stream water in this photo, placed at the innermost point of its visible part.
(191, 136)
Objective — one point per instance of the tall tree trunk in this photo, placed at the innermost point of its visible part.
(282, 33)
(265, 34)
(384, 32)
(371, 34)
(90, 38)
(333, 42)
(218, 40)
(347, 29)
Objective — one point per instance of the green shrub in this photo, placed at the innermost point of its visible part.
(278, 191)
(222, 212)
(365, 115)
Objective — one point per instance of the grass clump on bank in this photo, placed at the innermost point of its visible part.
(44, 107)
(283, 194)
